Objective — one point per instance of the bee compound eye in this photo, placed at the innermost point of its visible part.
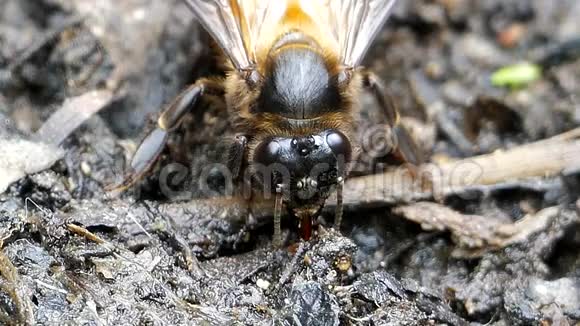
(339, 144)
(267, 152)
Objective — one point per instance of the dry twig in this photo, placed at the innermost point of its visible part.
(476, 234)
(74, 112)
(20, 157)
(537, 160)
(45, 39)
(11, 287)
(546, 158)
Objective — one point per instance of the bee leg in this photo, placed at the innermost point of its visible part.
(277, 238)
(339, 209)
(151, 147)
(405, 148)
(236, 155)
(235, 164)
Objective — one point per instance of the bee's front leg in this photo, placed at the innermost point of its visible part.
(235, 164)
(338, 212)
(405, 148)
(151, 147)
(237, 155)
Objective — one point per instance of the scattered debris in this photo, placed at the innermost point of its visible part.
(499, 246)
(48, 37)
(20, 157)
(17, 306)
(476, 235)
(73, 114)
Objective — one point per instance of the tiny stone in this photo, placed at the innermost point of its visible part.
(262, 284)
(85, 168)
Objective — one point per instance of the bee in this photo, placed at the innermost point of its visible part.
(293, 78)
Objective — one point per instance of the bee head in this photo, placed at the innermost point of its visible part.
(303, 168)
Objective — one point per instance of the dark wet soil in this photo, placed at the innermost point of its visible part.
(72, 254)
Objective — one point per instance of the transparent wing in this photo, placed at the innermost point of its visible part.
(262, 15)
(353, 23)
(237, 25)
(225, 21)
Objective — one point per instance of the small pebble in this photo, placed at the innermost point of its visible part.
(481, 51)
(435, 70)
(86, 168)
(331, 276)
(512, 35)
(263, 284)
(70, 184)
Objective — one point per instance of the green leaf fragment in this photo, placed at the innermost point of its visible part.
(518, 75)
